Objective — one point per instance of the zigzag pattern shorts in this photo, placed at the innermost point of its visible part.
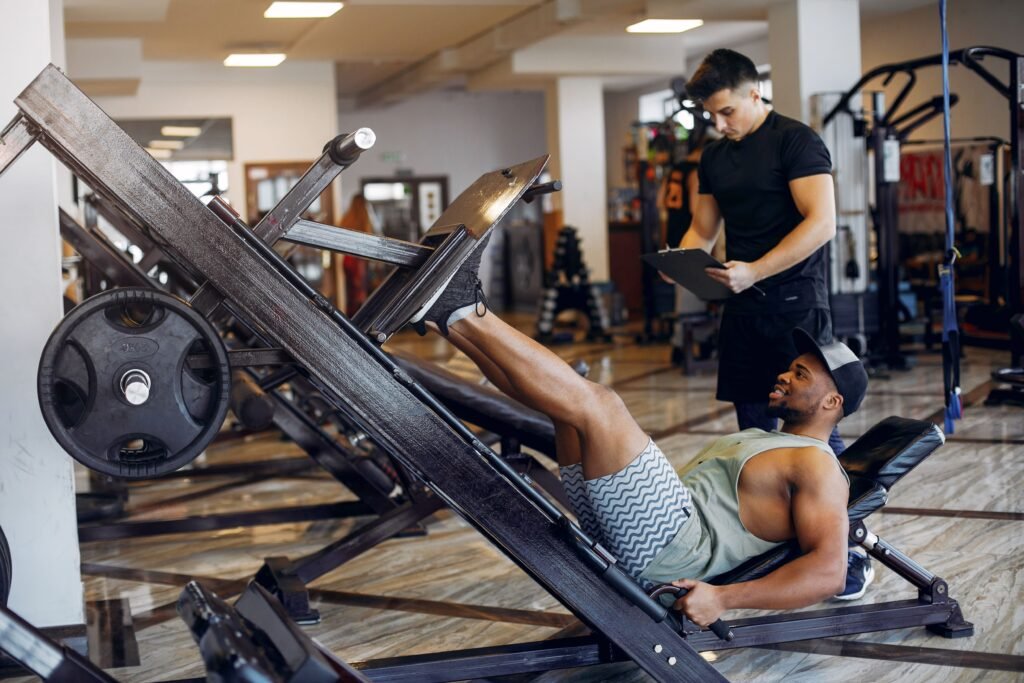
(633, 513)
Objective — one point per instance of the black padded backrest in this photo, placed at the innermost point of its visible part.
(890, 449)
(874, 462)
(481, 405)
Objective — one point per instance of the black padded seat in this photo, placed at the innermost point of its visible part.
(482, 406)
(874, 462)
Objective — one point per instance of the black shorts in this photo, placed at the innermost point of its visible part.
(755, 349)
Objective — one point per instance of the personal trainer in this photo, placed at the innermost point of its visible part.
(747, 493)
(769, 178)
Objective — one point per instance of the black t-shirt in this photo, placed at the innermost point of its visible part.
(749, 179)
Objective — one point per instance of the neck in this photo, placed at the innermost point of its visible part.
(762, 115)
(821, 432)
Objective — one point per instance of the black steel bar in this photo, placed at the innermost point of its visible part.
(216, 522)
(388, 525)
(54, 663)
(839, 621)
(968, 57)
(14, 140)
(893, 558)
(278, 466)
(1015, 225)
(329, 454)
(546, 655)
(386, 249)
(338, 155)
(886, 214)
(243, 358)
(541, 189)
(461, 472)
(101, 254)
(488, 662)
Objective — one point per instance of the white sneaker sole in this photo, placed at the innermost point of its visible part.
(869, 576)
(432, 300)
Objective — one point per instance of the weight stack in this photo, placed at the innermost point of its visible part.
(5, 569)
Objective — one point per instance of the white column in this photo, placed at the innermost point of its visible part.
(814, 47)
(37, 496)
(576, 138)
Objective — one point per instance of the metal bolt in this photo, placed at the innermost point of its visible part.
(671, 661)
(658, 649)
(381, 337)
(859, 533)
(940, 589)
(135, 387)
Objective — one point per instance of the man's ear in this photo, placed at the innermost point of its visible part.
(834, 401)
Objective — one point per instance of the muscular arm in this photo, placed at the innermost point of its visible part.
(706, 223)
(815, 200)
(814, 197)
(820, 520)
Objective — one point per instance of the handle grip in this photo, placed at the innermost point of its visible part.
(718, 627)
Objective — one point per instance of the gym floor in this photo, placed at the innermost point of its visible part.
(959, 514)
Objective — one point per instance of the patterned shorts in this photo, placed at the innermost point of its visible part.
(635, 512)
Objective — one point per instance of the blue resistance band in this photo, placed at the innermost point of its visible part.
(950, 330)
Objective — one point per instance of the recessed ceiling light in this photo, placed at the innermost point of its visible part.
(254, 59)
(166, 144)
(664, 25)
(159, 153)
(180, 131)
(302, 10)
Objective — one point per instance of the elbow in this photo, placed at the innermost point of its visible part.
(828, 229)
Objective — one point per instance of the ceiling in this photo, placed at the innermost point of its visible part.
(382, 45)
(213, 142)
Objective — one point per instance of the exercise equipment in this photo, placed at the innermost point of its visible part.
(342, 359)
(6, 569)
(885, 144)
(568, 288)
(254, 640)
(34, 650)
(116, 388)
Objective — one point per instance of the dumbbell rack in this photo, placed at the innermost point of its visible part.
(568, 288)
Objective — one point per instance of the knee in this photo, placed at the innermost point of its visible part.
(601, 407)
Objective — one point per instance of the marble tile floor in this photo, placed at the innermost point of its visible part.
(452, 589)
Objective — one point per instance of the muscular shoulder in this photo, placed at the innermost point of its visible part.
(811, 467)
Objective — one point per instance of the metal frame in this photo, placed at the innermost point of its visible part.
(1013, 90)
(366, 386)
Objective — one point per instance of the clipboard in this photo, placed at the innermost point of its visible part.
(686, 267)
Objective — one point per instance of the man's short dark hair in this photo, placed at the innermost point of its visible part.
(720, 70)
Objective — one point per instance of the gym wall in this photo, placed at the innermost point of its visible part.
(458, 134)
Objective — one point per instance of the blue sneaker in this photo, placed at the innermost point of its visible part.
(859, 575)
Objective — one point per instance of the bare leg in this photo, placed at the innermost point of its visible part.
(567, 440)
(609, 437)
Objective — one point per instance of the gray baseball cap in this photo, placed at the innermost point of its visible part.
(843, 365)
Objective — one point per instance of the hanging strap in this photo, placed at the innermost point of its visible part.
(950, 329)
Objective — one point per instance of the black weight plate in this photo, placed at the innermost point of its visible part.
(88, 355)
(6, 573)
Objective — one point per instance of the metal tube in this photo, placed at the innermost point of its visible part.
(385, 249)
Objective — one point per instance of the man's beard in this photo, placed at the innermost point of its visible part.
(787, 413)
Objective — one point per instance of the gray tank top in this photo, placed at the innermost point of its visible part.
(714, 540)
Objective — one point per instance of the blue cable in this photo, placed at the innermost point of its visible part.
(950, 330)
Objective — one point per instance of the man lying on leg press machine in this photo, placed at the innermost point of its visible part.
(745, 494)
